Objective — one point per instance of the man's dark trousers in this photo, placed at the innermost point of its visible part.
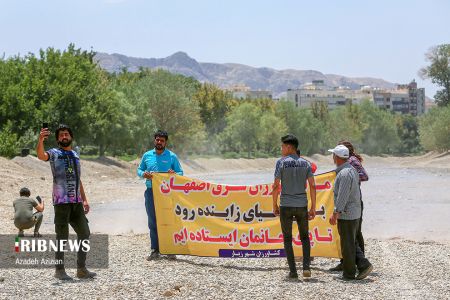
(359, 235)
(73, 214)
(351, 252)
(151, 215)
(287, 215)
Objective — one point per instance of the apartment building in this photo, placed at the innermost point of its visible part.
(242, 92)
(406, 99)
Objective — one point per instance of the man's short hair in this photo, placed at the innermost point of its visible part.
(290, 139)
(24, 192)
(62, 127)
(162, 133)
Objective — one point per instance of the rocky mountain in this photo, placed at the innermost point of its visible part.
(226, 75)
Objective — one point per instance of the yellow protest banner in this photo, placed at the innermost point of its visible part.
(206, 219)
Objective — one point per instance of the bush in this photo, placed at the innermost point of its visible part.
(434, 129)
(89, 150)
(8, 142)
(408, 131)
(259, 154)
(29, 139)
(380, 133)
(231, 155)
(127, 157)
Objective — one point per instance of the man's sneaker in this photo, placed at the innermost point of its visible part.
(345, 278)
(84, 273)
(363, 274)
(338, 268)
(171, 257)
(62, 275)
(37, 234)
(292, 276)
(307, 273)
(154, 255)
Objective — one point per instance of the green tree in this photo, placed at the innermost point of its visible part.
(345, 123)
(108, 117)
(320, 110)
(214, 104)
(165, 101)
(242, 128)
(439, 72)
(311, 132)
(263, 104)
(8, 141)
(55, 87)
(270, 131)
(138, 125)
(408, 132)
(66, 82)
(434, 129)
(14, 101)
(379, 130)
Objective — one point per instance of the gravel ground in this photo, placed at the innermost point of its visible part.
(402, 269)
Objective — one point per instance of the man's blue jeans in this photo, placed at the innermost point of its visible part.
(151, 215)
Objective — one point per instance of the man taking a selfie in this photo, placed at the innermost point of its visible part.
(69, 200)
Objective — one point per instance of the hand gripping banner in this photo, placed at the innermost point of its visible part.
(206, 219)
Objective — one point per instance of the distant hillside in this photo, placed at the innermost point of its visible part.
(225, 75)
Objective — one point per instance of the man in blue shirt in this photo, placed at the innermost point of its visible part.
(158, 160)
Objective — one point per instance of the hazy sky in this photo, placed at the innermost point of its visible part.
(380, 38)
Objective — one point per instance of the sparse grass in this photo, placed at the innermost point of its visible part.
(127, 157)
(88, 156)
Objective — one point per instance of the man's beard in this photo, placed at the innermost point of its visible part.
(159, 147)
(65, 143)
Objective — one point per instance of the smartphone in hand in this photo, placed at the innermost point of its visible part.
(45, 125)
(39, 199)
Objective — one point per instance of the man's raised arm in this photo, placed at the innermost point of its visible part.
(41, 154)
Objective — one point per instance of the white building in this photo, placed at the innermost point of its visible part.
(242, 92)
(406, 99)
(317, 91)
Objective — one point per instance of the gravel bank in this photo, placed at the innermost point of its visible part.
(402, 269)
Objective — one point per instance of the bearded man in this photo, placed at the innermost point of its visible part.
(69, 200)
(157, 160)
